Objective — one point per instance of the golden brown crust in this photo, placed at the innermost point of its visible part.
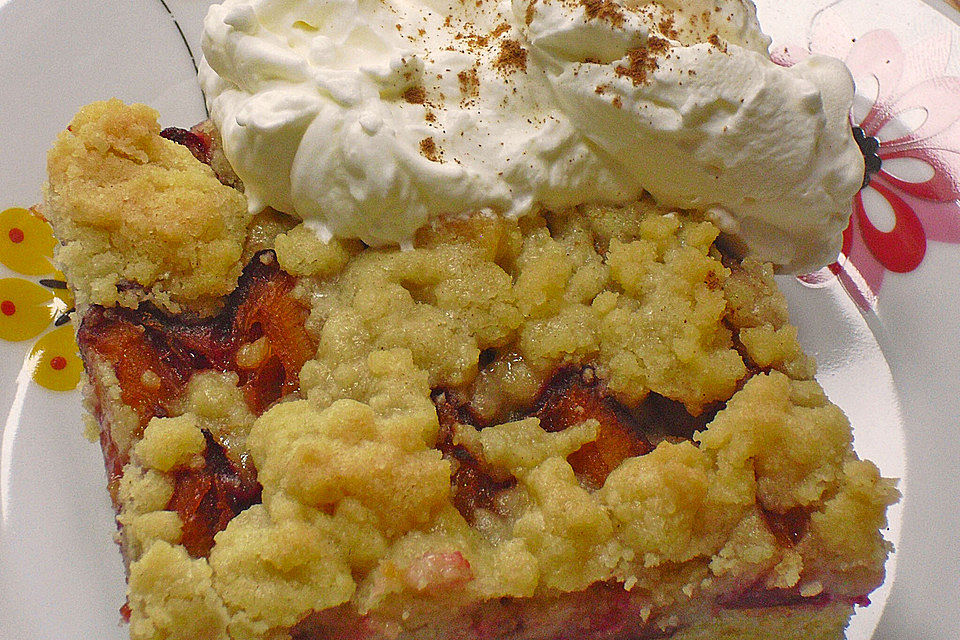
(138, 217)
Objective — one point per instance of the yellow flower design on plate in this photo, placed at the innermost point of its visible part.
(28, 308)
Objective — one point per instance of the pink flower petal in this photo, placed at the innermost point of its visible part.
(902, 248)
(940, 220)
(877, 54)
(830, 35)
(860, 289)
(943, 186)
(866, 271)
(938, 97)
(949, 138)
(902, 125)
(866, 96)
(908, 169)
(928, 58)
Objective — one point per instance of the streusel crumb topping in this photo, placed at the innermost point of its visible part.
(355, 482)
(422, 367)
(138, 218)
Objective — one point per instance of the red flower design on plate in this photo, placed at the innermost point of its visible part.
(907, 110)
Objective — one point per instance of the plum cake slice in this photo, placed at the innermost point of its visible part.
(580, 424)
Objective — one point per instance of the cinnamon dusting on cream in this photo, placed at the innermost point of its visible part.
(643, 61)
(512, 58)
(604, 10)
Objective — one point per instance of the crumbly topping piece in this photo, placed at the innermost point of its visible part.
(171, 596)
(523, 445)
(271, 571)
(759, 310)
(357, 509)
(645, 305)
(168, 443)
(214, 402)
(795, 441)
(138, 217)
(844, 546)
(302, 253)
(322, 457)
(143, 496)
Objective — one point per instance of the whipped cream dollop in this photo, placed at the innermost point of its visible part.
(367, 118)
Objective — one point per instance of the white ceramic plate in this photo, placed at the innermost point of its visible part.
(886, 342)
